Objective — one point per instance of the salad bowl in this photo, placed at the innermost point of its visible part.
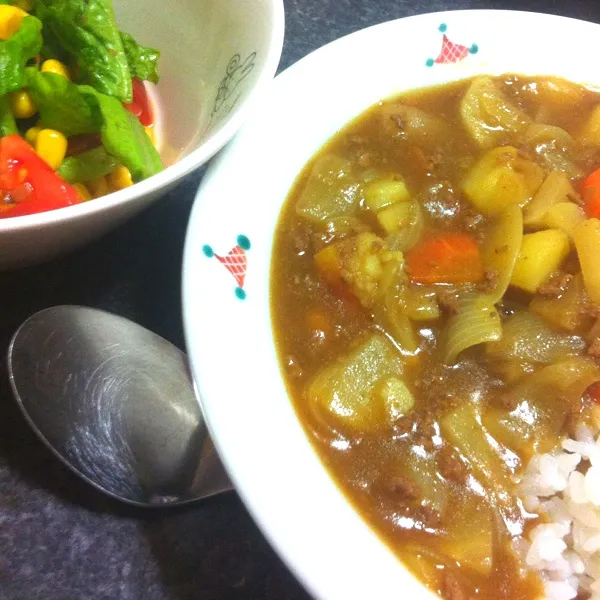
(216, 58)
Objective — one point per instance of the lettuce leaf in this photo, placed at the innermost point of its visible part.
(8, 125)
(143, 61)
(61, 105)
(87, 166)
(23, 45)
(123, 136)
(88, 32)
(75, 109)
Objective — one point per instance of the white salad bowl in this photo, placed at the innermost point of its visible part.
(226, 271)
(217, 56)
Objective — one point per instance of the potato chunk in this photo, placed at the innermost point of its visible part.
(362, 264)
(587, 242)
(381, 193)
(499, 178)
(362, 390)
(400, 216)
(541, 254)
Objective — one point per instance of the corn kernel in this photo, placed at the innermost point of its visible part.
(150, 132)
(51, 145)
(82, 191)
(21, 104)
(98, 187)
(55, 66)
(31, 134)
(10, 20)
(120, 178)
(26, 5)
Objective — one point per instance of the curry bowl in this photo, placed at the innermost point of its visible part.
(412, 123)
(215, 60)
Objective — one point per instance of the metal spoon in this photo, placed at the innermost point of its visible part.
(116, 404)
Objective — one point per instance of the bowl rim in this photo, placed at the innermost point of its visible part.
(178, 170)
(277, 538)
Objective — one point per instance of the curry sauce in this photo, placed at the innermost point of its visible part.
(434, 302)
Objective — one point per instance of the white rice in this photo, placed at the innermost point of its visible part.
(564, 489)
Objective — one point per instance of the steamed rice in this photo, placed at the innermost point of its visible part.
(563, 487)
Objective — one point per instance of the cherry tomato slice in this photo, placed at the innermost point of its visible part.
(140, 105)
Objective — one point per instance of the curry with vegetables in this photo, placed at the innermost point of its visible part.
(435, 297)
(75, 118)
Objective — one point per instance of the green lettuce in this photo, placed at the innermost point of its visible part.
(23, 45)
(142, 61)
(61, 105)
(123, 136)
(75, 109)
(87, 166)
(88, 32)
(8, 125)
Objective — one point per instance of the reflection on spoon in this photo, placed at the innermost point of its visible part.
(116, 403)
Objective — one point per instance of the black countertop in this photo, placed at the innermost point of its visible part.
(60, 539)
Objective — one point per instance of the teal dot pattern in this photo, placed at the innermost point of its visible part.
(235, 261)
(450, 51)
(243, 242)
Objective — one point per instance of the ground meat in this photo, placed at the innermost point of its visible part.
(490, 281)
(321, 239)
(451, 466)
(404, 488)
(508, 401)
(589, 309)
(470, 218)
(451, 588)
(556, 285)
(428, 515)
(423, 436)
(399, 121)
(301, 239)
(355, 138)
(403, 425)
(448, 299)
(441, 202)
(365, 160)
(572, 422)
(594, 348)
(526, 153)
(434, 161)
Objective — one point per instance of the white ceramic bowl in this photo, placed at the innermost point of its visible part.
(229, 340)
(217, 56)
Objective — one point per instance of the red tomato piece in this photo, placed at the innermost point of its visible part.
(28, 184)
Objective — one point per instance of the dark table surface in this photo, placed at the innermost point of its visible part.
(60, 539)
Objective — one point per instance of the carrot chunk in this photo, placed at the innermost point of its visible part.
(453, 258)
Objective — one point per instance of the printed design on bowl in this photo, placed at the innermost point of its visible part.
(236, 71)
(450, 52)
(235, 261)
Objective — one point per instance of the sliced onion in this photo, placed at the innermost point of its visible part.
(527, 338)
(477, 321)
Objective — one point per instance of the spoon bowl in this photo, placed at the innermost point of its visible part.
(116, 403)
